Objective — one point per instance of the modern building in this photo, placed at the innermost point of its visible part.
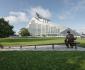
(64, 33)
(39, 26)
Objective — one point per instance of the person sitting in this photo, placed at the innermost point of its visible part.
(70, 40)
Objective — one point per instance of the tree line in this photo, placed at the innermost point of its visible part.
(6, 29)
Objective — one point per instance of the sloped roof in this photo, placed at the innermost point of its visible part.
(71, 31)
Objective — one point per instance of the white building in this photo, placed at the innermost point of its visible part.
(39, 26)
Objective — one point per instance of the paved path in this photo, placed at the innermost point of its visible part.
(43, 48)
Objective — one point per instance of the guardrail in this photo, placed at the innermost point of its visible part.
(35, 46)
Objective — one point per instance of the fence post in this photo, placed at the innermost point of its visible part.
(1, 46)
(9, 46)
(75, 46)
(20, 46)
(52, 46)
(35, 47)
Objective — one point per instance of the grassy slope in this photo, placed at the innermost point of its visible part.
(33, 41)
(82, 42)
(42, 60)
(30, 41)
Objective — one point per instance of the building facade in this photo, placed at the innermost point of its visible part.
(39, 26)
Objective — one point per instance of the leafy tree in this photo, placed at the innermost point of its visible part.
(24, 32)
(5, 28)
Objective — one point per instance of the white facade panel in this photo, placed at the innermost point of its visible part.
(41, 27)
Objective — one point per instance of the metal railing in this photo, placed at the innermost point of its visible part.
(35, 46)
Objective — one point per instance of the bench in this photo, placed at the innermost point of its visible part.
(75, 44)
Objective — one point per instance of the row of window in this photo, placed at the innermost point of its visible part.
(40, 29)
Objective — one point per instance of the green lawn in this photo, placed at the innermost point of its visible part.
(25, 60)
(82, 42)
(30, 41)
(35, 41)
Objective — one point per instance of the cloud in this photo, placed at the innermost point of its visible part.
(82, 30)
(80, 6)
(62, 17)
(72, 8)
(19, 16)
(43, 12)
(68, 2)
(16, 17)
(65, 15)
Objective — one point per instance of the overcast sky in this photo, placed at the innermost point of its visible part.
(70, 13)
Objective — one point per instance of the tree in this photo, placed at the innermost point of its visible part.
(24, 32)
(5, 28)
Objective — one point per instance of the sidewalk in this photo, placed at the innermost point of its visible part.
(42, 48)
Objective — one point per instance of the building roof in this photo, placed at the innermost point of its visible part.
(39, 16)
(71, 31)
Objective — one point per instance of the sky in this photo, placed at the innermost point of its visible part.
(69, 13)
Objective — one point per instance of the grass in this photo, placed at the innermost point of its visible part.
(29, 41)
(35, 41)
(25, 60)
(82, 42)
